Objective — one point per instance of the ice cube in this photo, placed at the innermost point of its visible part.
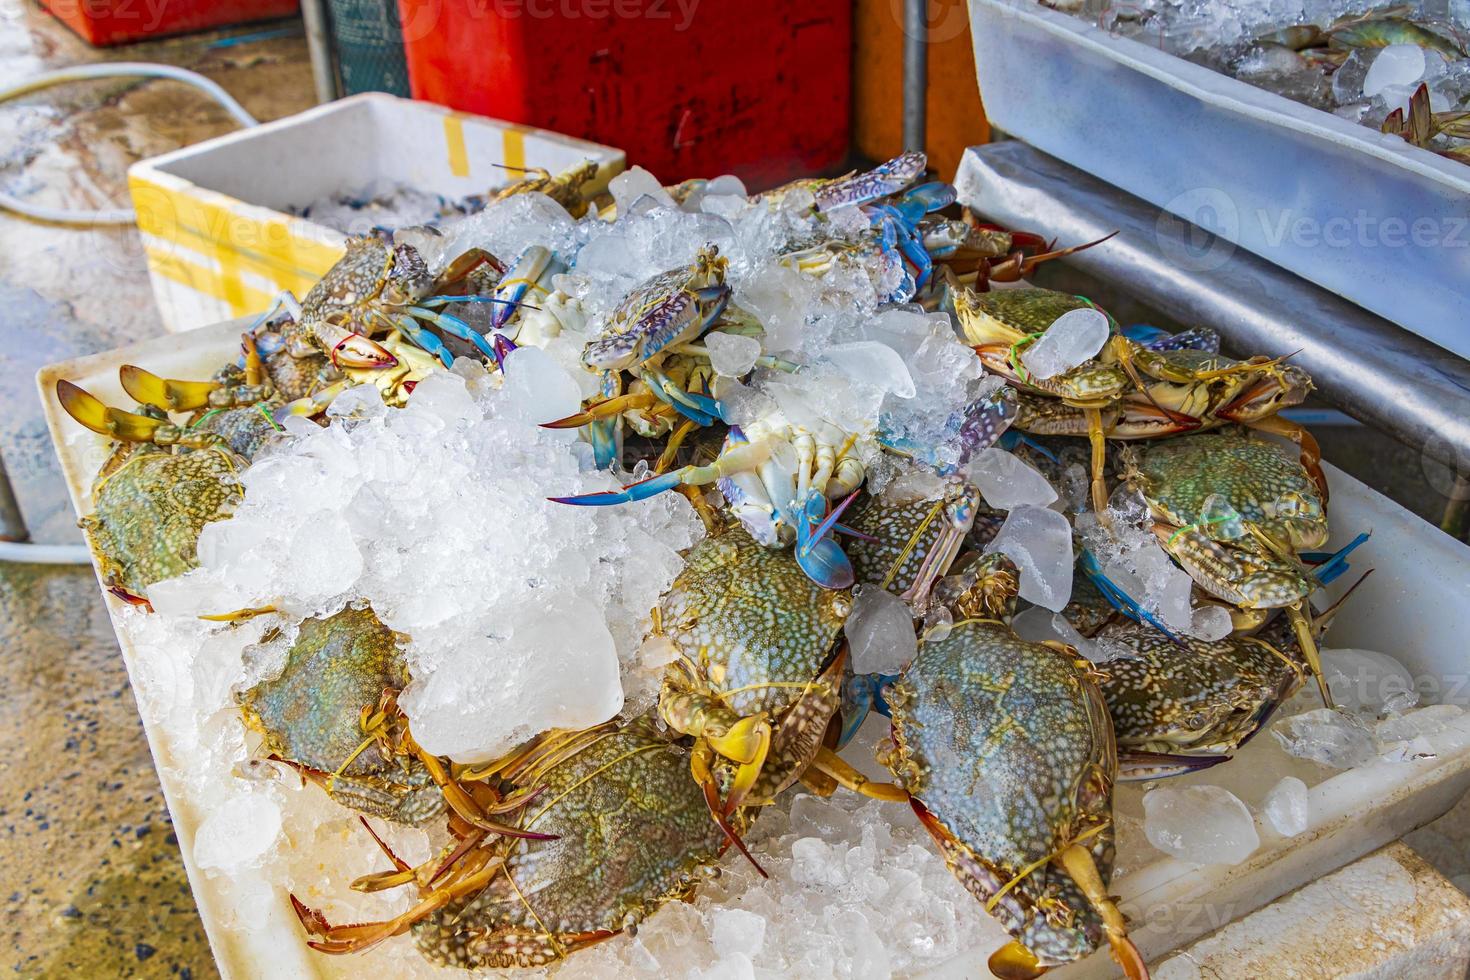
(1331, 737)
(1286, 806)
(1210, 622)
(1007, 481)
(1039, 541)
(634, 183)
(880, 632)
(1430, 720)
(732, 355)
(1199, 824)
(1347, 81)
(874, 364)
(237, 832)
(1073, 339)
(1397, 65)
(538, 389)
(737, 931)
(1364, 680)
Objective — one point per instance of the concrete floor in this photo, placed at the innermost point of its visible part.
(93, 883)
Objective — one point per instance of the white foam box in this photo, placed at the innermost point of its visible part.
(1416, 605)
(1377, 221)
(214, 217)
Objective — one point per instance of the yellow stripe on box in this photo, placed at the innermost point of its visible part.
(243, 299)
(267, 248)
(513, 150)
(459, 160)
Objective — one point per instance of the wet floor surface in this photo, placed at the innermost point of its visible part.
(93, 885)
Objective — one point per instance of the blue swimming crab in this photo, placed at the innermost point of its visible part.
(377, 287)
(160, 486)
(619, 828)
(331, 713)
(1006, 750)
(757, 670)
(1236, 514)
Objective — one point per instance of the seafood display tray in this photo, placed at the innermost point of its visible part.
(213, 216)
(1384, 224)
(1415, 606)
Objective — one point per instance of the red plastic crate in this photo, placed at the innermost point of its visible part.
(687, 88)
(104, 22)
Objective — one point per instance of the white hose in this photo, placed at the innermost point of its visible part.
(44, 554)
(120, 69)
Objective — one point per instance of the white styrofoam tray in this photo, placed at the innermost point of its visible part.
(1416, 605)
(217, 234)
(1382, 223)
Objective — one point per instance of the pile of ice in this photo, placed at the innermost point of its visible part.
(382, 204)
(1132, 558)
(1236, 37)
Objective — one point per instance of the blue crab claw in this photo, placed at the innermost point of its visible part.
(861, 693)
(530, 266)
(501, 346)
(346, 349)
(882, 181)
(826, 564)
(651, 487)
(455, 327)
(701, 409)
(91, 412)
(423, 338)
(820, 557)
(148, 388)
(1012, 438)
(1119, 599)
(1330, 566)
(926, 198)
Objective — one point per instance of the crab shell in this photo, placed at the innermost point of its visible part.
(994, 323)
(1007, 750)
(1194, 697)
(634, 833)
(757, 636)
(149, 505)
(1267, 488)
(913, 543)
(668, 309)
(309, 716)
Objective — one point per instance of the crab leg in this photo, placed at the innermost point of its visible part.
(699, 765)
(1078, 862)
(1099, 455)
(125, 426)
(172, 396)
(833, 765)
(1310, 453)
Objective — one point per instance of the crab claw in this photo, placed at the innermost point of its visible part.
(820, 557)
(173, 396)
(353, 350)
(89, 410)
(651, 487)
